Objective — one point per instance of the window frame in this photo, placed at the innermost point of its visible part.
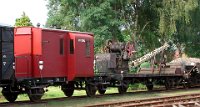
(71, 46)
(87, 48)
(61, 41)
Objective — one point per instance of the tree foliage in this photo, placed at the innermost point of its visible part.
(24, 20)
(147, 23)
(103, 18)
(188, 34)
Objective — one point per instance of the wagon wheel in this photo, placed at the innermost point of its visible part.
(149, 86)
(169, 83)
(9, 95)
(35, 94)
(167, 86)
(90, 90)
(68, 89)
(123, 88)
(102, 89)
(187, 84)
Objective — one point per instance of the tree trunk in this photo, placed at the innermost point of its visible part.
(135, 31)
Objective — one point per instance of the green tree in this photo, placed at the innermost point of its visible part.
(158, 19)
(104, 18)
(147, 23)
(188, 34)
(24, 20)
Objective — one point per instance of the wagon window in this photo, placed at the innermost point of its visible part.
(61, 46)
(71, 46)
(87, 45)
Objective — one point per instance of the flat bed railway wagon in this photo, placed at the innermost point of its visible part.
(112, 69)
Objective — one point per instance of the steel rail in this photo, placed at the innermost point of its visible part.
(182, 100)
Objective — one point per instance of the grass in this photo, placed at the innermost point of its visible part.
(110, 98)
(55, 92)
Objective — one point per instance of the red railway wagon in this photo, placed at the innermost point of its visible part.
(53, 53)
(46, 57)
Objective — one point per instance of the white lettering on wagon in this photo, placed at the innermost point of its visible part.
(4, 56)
(4, 63)
(81, 40)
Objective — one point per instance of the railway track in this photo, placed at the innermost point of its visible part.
(175, 101)
(45, 101)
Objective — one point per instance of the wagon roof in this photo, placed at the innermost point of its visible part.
(4, 25)
(51, 29)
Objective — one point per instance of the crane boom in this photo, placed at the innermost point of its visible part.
(150, 55)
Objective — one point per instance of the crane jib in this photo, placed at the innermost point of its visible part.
(150, 55)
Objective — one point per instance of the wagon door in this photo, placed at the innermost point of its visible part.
(84, 55)
(53, 54)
